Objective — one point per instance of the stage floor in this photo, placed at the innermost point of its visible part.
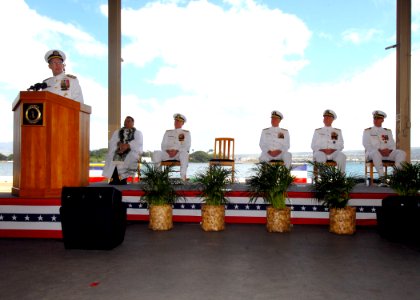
(40, 218)
(242, 262)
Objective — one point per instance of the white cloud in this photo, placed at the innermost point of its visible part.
(415, 7)
(30, 40)
(226, 61)
(235, 66)
(359, 36)
(353, 100)
(29, 36)
(415, 18)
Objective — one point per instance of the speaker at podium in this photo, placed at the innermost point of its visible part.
(92, 217)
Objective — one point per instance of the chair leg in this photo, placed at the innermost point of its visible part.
(371, 173)
(233, 174)
(366, 172)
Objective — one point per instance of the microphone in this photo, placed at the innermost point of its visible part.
(37, 86)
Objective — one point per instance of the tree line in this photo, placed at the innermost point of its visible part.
(6, 157)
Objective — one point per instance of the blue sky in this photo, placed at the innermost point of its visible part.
(224, 64)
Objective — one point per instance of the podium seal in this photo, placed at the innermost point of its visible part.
(33, 114)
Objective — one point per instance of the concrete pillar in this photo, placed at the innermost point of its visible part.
(403, 97)
(114, 66)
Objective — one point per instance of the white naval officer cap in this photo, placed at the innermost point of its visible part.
(54, 54)
(329, 113)
(180, 117)
(378, 114)
(277, 114)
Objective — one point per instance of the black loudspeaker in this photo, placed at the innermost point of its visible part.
(92, 217)
(399, 219)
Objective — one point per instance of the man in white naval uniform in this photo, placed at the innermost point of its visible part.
(380, 145)
(176, 145)
(124, 150)
(62, 84)
(328, 143)
(275, 141)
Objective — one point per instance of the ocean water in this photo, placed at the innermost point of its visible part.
(243, 170)
(6, 168)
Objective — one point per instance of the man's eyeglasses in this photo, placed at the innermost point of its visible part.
(59, 63)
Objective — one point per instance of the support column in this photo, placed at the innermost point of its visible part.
(114, 66)
(403, 97)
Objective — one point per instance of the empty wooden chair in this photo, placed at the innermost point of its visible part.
(224, 154)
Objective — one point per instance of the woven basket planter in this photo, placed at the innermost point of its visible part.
(213, 217)
(343, 220)
(160, 217)
(278, 220)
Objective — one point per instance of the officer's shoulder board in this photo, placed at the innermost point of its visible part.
(267, 128)
(319, 128)
(71, 76)
(185, 130)
(46, 79)
(368, 128)
(283, 129)
(338, 129)
(387, 129)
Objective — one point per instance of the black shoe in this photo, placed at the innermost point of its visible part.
(115, 179)
(383, 182)
(118, 182)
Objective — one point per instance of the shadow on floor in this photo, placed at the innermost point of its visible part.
(242, 262)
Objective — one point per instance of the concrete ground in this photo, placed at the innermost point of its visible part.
(242, 262)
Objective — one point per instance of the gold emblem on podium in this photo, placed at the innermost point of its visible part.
(33, 114)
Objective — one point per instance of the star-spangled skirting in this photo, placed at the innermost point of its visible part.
(54, 218)
(239, 209)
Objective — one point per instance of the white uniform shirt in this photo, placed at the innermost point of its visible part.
(274, 138)
(176, 139)
(327, 138)
(65, 85)
(375, 138)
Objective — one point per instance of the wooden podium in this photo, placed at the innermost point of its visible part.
(50, 144)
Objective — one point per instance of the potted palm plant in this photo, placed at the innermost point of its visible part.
(405, 180)
(159, 194)
(271, 182)
(332, 189)
(399, 216)
(212, 186)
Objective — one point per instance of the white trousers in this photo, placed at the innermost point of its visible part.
(396, 155)
(337, 156)
(182, 156)
(286, 157)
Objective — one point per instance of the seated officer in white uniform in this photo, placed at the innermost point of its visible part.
(328, 143)
(176, 145)
(380, 145)
(124, 151)
(62, 84)
(275, 141)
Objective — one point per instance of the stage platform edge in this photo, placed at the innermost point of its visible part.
(40, 218)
